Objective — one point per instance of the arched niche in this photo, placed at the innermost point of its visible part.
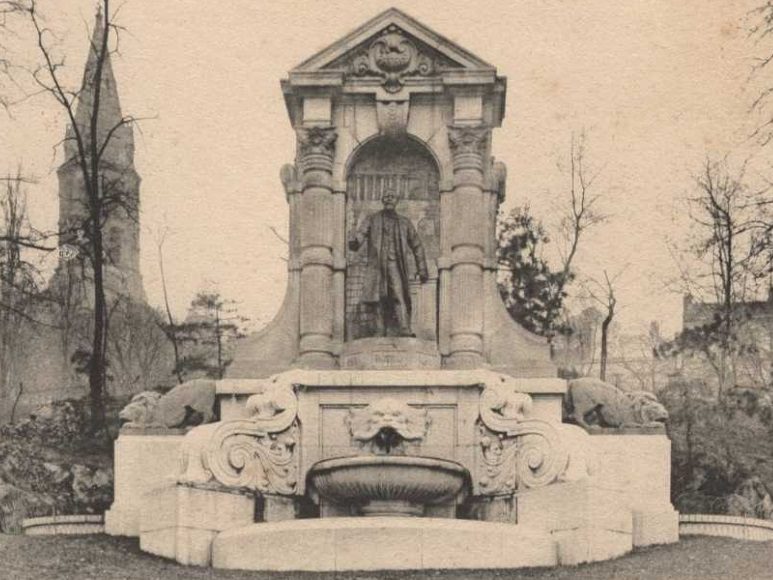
(407, 166)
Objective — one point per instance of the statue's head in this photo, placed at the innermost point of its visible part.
(647, 407)
(389, 198)
(140, 410)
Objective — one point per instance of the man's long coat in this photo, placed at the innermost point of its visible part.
(408, 244)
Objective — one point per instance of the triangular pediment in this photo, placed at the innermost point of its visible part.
(389, 41)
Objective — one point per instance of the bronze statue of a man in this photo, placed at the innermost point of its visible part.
(391, 240)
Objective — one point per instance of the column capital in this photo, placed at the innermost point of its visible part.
(316, 148)
(468, 144)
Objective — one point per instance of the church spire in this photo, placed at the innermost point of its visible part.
(121, 231)
(120, 151)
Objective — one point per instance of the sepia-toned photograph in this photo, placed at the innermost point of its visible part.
(381, 289)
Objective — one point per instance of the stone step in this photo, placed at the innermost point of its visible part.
(382, 543)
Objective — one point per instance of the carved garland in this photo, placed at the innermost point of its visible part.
(516, 452)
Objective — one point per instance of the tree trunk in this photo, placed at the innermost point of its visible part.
(219, 338)
(19, 394)
(689, 433)
(604, 338)
(97, 370)
(172, 333)
(98, 360)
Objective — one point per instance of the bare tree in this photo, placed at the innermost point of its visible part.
(20, 282)
(731, 229)
(137, 348)
(605, 296)
(86, 144)
(532, 289)
(170, 328)
(638, 357)
(582, 213)
(761, 31)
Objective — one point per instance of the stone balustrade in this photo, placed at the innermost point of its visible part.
(737, 527)
(63, 525)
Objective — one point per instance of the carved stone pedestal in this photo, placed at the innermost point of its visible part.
(143, 462)
(386, 353)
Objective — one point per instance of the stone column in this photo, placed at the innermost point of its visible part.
(467, 238)
(316, 148)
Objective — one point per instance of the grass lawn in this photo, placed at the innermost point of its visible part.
(106, 558)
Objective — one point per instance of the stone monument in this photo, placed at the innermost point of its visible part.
(393, 415)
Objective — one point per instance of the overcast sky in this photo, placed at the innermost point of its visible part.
(658, 84)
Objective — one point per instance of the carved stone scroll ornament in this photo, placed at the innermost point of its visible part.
(290, 180)
(384, 426)
(392, 56)
(257, 453)
(316, 148)
(517, 452)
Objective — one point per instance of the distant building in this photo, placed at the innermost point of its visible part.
(753, 323)
(631, 360)
(54, 355)
(122, 231)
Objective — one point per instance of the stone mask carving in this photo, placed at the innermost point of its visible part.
(385, 425)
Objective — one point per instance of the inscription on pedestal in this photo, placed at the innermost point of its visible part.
(386, 353)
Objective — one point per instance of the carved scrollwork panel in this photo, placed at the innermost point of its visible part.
(267, 463)
(502, 409)
(517, 452)
(532, 456)
(394, 56)
(258, 453)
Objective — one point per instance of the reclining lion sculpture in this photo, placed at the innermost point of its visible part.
(186, 405)
(592, 403)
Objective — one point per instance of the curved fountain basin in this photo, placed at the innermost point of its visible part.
(388, 485)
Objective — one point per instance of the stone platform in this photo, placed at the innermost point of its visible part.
(381, 543)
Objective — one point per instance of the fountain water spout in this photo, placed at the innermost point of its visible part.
(386, 480)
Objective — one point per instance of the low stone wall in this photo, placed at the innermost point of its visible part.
(726, 526)
(63, 525)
